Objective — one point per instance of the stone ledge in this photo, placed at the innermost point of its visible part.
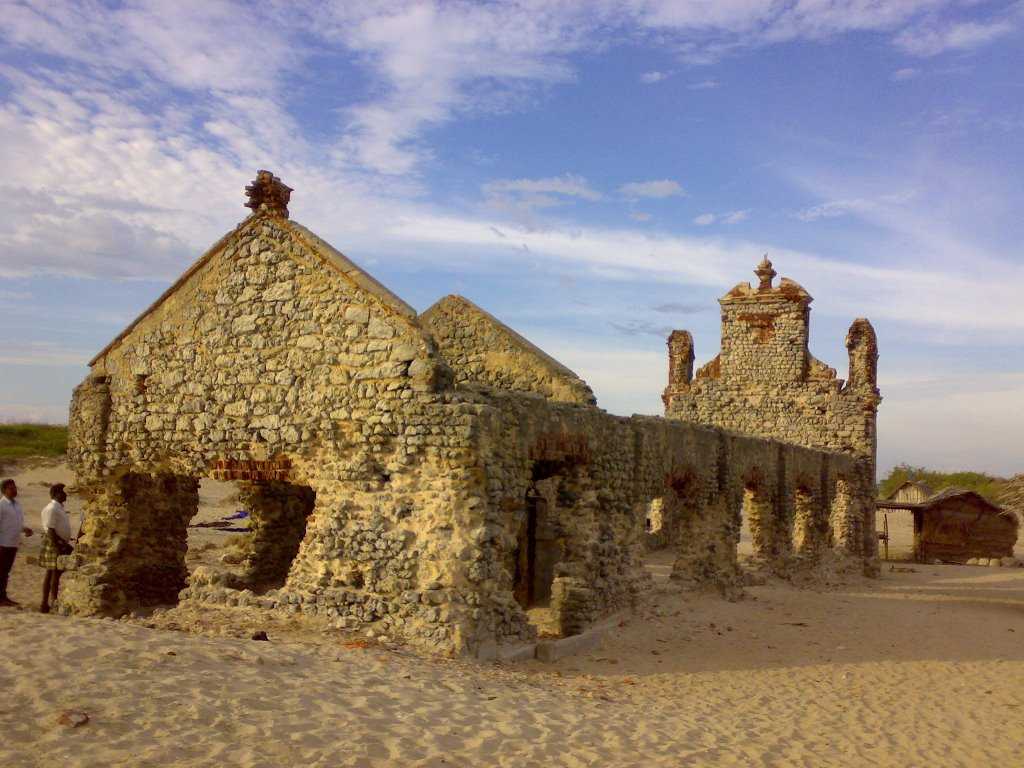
(553, 650)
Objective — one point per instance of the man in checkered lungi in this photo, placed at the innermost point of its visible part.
(56, 542)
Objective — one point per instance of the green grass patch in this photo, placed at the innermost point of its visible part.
(18, 441)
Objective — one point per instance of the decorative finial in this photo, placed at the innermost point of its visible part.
(765, 274)
(268, 193)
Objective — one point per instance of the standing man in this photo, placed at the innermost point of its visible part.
(56, 542)
(12, 525)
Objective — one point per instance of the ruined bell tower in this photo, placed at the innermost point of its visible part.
(765, 381)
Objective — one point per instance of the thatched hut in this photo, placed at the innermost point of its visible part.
(953, 525)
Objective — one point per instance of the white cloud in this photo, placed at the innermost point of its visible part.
(704, 85)
(522, 198)
(932, 40)
(983, 305)
(640, 216)
(190, 46)
(904, 74)
(651, 189)
(100, 183)
(735, 217)
(434, 61)
(732, 217)
(708, 30)
(568, 185)
(833, 209)
(652, 77)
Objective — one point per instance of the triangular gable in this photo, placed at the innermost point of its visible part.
(321, 248)
(462, 304)
(487, 346)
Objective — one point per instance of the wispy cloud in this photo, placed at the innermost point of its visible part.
(944, 297)
(833, 209)
(524, 197)
(729, 218)
(904, 74)
(567, 185)
(735, 217)
(933, 39)
(653, 77)
(641, 328)
(651, 189)
(704, 85)
(678, 308)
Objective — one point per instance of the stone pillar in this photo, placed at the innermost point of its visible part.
(132, 549)
(808, 534)
(278, 513)
(87, 426)
(680, 365)
(706, 551)
(758, 510)
(846, 535)
(862, 347)
(852, 515)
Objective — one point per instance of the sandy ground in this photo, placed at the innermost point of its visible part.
(922, 667)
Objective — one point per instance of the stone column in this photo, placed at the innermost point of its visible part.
(808, 528)
(680, 365)
(132, 549)
(278, 513)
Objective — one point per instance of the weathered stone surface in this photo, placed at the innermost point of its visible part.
(765, 382)
(481, 349)
(426, 478)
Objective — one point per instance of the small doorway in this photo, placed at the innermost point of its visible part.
(539, 549)
(537, 553)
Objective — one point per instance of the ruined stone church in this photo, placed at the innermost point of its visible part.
(436, 476)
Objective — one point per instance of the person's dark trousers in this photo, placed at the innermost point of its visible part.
(7, 555)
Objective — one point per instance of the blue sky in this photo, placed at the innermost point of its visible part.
(593, 173)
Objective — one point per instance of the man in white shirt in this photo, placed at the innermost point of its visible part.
(56, 542)
(12, 525)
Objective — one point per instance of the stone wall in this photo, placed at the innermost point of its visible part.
(765, 382)
(437, 480)
(274, 359)
(606, 470)
(482, 350)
